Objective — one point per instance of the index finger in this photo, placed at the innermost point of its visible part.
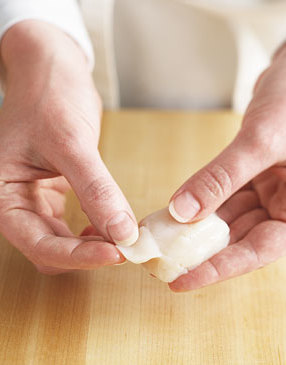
(47, 241)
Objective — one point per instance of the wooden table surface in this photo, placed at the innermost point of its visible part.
(121, 315)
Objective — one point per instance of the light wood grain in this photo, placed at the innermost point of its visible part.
(121, 315)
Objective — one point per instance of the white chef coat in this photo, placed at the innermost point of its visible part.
(189, 54)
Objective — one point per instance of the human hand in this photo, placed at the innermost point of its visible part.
(247, 184)
(49, 131)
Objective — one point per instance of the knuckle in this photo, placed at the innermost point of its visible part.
(216, 273)
(264, 127)
(72, 140)
(217, 181)
(39, 253)
(263, 144)
(70, 143)
(262, 140)
(99, 191)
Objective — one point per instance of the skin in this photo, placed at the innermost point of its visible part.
(49, 131)
(247, 184)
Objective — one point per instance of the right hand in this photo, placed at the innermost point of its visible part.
(49, 131)
(246, 185)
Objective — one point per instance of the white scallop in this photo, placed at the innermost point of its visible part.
(169, 249)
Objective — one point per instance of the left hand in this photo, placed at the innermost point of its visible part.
(246, 184)
(49, 131)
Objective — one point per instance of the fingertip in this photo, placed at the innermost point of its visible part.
(122, 229)
(121, 259)
(109, 254)
(184, 207)
(176, 289)
(129, 241)
(92, 254)
(174, 213)
(121, 263)
(180, 285)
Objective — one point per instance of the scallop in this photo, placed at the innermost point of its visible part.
(168, 249)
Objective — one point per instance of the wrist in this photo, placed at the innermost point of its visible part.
(29, 47)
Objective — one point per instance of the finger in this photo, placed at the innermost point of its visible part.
(59, 184)
(243, 224)
(266, 185)
(262, 245)
(238, 204)
(48, 270)
(100, 197)
(204, 192)
(90, 231)
(277, 203)
(56, 201)
(74, 253)
(46, 241)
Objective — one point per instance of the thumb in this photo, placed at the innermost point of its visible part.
(100, 197)
(205, 191)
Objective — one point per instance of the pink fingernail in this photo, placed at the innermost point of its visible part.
(184, 207)
(122, 229)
